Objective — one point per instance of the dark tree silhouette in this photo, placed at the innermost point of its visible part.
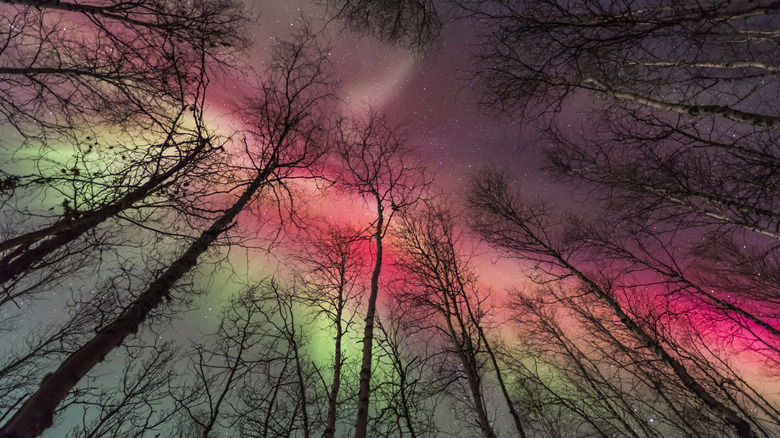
(279, 398)
(686, 125)
(333, 269)
(138, 54)
(120, 87)
(699, 60)
(411, 384)
(440, 279)
(410, 23)
(525, 232)
(136, 406)
(379, 166)
(224, 362)
(286, 132)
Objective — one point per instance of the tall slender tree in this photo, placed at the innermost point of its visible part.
(441, 280)
(333, 271)
(379, 166)
(524, 231)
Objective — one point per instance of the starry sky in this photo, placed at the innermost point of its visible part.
(432, 94)
(428, 92)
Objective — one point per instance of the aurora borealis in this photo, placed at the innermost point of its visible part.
(576, 203)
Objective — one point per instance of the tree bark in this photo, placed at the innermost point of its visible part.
(330, 429)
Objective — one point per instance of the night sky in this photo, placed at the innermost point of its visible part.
(434, 94)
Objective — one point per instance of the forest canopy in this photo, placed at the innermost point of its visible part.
(206, 232)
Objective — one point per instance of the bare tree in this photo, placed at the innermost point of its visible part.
(223, 362)
(646, 251)
(333, 270)
(441, 280)
(577, 379)
(137, 53)
(524, 231)
(24, 365)
(279, 397)
(545, 51)
(682, 139)
(412, 386)
(135, 407)
(286, 128)
(685, 135)
(681, 148)
(110, 97)
(411, 23)
(139, 185)
(378, 165)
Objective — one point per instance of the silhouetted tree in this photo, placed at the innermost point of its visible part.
(524, 231)
(333, 269)
(110, 97)
(280, 397)
(379, 166)
(696, 60)
(137, 55)
(576, 380)
(136, 406)
(286, 133)
(411, 23)
(440, 279)
(683, 139)
(411, 384)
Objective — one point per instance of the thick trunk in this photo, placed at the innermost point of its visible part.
(361, 424)
(37, 412)
(476, 394)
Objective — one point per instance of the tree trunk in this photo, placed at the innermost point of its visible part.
(361, 424)
(330, 429)
(472, 375)
(37, 412)
(501, 384)
(742, 427)
(693, 110)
